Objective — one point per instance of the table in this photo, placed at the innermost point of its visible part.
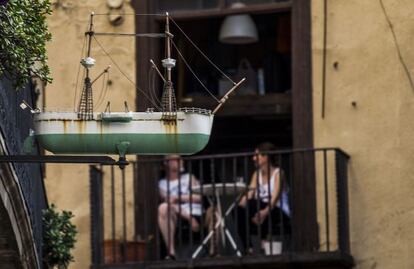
(221, 192)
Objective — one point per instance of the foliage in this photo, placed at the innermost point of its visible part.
(58, 237)
(24, 33)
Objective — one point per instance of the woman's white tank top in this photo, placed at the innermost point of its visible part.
(283, 202)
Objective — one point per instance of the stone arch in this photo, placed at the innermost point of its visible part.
(17, 244)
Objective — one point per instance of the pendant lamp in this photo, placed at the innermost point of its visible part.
(238, 29)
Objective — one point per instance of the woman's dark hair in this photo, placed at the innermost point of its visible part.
(265, 147)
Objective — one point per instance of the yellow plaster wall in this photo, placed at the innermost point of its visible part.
(68, 185)
(378, 131)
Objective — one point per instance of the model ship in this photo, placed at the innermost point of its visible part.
(156, 131)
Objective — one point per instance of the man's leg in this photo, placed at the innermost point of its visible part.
(211, 223)
(252, 208)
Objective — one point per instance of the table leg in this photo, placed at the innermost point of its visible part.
(233, 244)
(221, 223)
(208, 237)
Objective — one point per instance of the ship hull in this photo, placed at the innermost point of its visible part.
(146, 133)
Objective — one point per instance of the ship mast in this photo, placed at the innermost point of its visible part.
(85, 108)
(169, 104)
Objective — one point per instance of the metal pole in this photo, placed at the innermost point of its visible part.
(113, 216)
(226, 96)
(87, 79)
(105, 160)
(168, 43)
(124, 223)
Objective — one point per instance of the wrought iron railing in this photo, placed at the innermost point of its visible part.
(130, 207)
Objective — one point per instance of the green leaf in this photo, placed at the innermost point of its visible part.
(59, 236)
(24, 33)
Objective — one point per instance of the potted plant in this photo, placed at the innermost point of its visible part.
(136, 250)
(58, 237)
(116, 251)
(112, 251)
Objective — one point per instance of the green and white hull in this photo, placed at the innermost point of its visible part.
(146, 133)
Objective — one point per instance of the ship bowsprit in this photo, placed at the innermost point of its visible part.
(144, 133)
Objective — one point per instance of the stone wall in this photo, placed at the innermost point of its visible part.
(370, 113)
(22, 193)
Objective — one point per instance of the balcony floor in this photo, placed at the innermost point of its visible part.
(330, 260)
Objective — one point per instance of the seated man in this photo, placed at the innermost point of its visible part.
(177, 202)
(263, 201)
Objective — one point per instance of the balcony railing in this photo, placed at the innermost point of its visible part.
(138, 216)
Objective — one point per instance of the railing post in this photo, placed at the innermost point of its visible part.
(341, 166)
(146, 204)
(97, 220)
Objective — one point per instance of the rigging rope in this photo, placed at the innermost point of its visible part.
(192, 71)
(151, 86)
(153, 97)
(133, 14)
(157, 96)
(98, 102)
(150, 35)
(125, 75)
(201, 52)
(77, 76)
(103, 91)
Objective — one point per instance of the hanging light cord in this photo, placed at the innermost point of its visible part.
(77, 76)
(125, 75)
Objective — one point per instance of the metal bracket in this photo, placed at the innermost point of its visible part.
(104, 160)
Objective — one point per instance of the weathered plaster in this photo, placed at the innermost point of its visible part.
(68, 185)
(378, 131)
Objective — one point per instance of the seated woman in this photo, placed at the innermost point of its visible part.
(177, 202)
(263, 201)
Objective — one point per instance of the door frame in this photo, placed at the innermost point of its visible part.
(304, 218)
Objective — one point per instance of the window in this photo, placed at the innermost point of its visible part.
(266, 62)
(262, 113)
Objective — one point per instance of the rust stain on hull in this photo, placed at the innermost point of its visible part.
(80, 125)
(65, 127)
(170, 127)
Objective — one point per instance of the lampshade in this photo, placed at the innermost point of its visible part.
(238, 29)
